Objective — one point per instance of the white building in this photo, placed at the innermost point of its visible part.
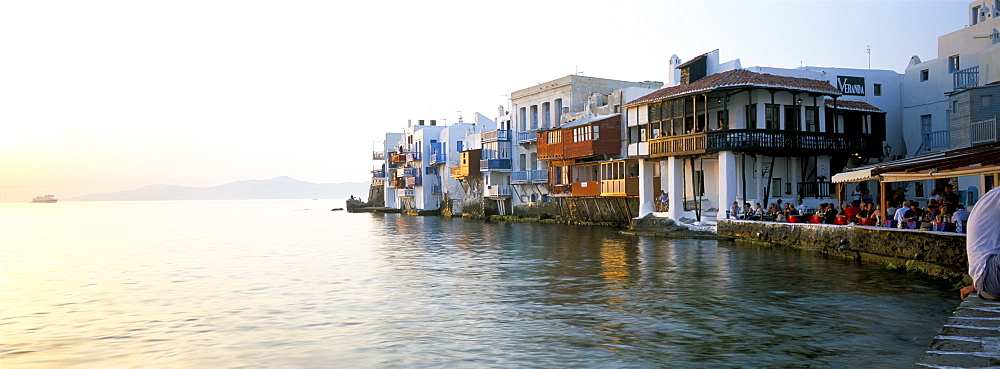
(538, 108)
(721, 134)
(950, 101)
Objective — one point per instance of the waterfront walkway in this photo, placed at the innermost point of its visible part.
(970, 338)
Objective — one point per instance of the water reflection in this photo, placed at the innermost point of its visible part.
(240, 284)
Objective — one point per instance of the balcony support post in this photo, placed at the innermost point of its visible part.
(675, 187)
(727, 182)
(646, 196)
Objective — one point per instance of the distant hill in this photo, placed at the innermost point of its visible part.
(274, 188)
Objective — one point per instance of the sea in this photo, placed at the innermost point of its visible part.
(294, 284)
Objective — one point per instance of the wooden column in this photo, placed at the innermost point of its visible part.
(883, 200)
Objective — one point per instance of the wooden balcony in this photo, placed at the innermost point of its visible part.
(620, 187)
(587, 188)
(766, 142)
(498, 135)
(550, 151)
(459, 172)
(468, 165)
(399, 158)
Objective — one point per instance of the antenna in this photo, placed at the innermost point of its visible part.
(577, 68)
(869, 56)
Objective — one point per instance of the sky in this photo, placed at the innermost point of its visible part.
(102, 96)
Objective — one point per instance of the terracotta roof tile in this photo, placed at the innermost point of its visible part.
(854, 105)
(738, 78)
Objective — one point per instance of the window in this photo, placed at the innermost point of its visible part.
(558, 112)
(975, 14)
(752, 116)
(924, 75)
(534, 117)
(953, 65)
(553, 137)
(954, 106)
(771, 116)
(775, 187)
(925, 123)
(546, 115)
(588, 133)
(812, 119)
(523, 119)
(877, 88)
(791, 118)
(986, 102)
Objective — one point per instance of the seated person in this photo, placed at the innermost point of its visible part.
(734, 210)
(983, 247)
(831, 214)
(851, 212)
(960, 218)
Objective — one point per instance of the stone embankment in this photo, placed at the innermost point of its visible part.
(937, 254)
(970, 338)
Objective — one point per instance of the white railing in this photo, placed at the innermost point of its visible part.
(405, 192)
(498, 191)
(936, 139)
(985, 131)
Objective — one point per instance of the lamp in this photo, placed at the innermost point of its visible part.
(719, 100)
(887, 149)
(799, 101)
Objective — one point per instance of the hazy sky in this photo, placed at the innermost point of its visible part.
(99, 96)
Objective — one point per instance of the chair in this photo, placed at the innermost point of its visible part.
(891, 223)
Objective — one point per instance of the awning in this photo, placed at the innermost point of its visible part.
(975, 160)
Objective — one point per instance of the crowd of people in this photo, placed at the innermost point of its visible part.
(943, 211)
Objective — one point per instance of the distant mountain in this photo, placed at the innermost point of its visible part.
(274, 188)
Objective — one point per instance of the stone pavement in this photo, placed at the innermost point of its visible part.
(970, 338)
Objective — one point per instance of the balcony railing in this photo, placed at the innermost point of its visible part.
(817, 190)
(497, 191)
(436, 189)
(399, 158)
(410, 172)
(587, 188)
(494, 164)
(965, 78)
(678, 145)
(498, 135)
(459, 172)
(520, 177)
(937, 139)
(414, 181)
(986, 131)
(378, 155)
(620, 187)
(378, 173)
(405, 192)
(761, 141)
(439, 158)
(414, 156)
(527, 136)
(538, 176)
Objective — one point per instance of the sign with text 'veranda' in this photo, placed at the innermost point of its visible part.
(851, 85)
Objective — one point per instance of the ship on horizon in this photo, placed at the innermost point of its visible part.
(47, 199)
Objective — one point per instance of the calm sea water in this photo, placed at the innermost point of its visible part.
(288, 283)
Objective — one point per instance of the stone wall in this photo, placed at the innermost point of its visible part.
(937, 254)
(541, 210)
